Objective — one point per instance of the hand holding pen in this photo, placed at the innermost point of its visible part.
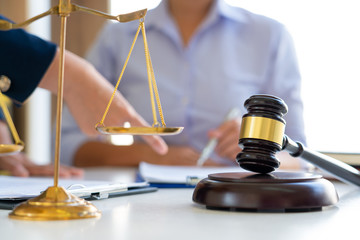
(224, 138)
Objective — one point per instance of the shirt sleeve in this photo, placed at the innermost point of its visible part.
(25, 59)
(285, 81)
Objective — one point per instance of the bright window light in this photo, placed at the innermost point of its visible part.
(122, 140)
(125, 6)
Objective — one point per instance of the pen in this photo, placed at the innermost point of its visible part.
(210, 146)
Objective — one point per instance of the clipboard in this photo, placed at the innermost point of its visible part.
(14, 190)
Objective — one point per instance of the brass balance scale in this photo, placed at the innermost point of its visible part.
(55, 203)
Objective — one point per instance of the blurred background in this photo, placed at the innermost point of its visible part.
(326, 35)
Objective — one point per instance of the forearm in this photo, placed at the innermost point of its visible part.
(75, 71)
(85, 91)
(81, 80)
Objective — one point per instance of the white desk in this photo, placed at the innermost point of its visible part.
(170, 214)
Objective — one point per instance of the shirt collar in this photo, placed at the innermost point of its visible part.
(160, 17)
(232, 13)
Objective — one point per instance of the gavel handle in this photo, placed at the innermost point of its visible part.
(341, 170)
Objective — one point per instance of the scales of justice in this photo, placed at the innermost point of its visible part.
(261, 136)
(55, 203)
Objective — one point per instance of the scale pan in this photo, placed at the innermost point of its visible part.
(141, 130)
(7, 149)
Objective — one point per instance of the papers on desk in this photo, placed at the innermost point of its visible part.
(14, 190)
(178, 176)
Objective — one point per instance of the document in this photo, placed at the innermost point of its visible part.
(181, 176)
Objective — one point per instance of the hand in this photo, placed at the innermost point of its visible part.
(87, 94)
(176, 155)
(20, 165)
(227, 135)
(179, 156)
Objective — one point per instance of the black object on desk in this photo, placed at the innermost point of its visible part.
(261, 136)
(10, 204)
(24, 189)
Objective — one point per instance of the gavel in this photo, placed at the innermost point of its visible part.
(262, 135)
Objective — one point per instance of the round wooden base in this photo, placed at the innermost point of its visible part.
(278, 191)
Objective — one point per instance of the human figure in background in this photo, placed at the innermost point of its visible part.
(208, 58)
(30, 62)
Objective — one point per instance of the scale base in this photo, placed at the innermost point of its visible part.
(275, 192)
(54, 204)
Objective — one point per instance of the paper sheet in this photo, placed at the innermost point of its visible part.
(153, 173)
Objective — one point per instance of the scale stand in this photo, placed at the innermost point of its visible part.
(55, 203)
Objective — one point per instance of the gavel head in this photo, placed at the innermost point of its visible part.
(261, 133)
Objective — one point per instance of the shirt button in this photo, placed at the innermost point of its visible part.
(4, 83)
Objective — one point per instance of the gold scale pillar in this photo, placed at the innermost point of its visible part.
(55, 203)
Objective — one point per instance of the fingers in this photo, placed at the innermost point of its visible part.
(230, 152)
(48, 170)
(228, 147)
(66, 171)
(14, 167)
(21, 166)
(43, 170)
(19, 171)
(227, 135)
(157, 144)
(181, 156)
(126, 113)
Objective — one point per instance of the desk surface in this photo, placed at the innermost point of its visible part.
(170, 214)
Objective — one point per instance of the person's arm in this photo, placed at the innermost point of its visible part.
(30, 61)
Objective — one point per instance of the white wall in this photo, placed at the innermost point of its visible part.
(38, 108)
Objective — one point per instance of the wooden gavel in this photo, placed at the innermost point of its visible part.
(262, 135)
